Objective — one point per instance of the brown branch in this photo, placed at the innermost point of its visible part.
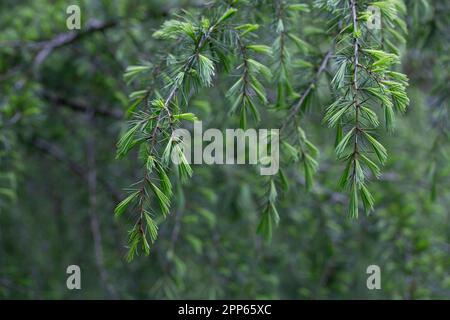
(294, 110)
(80, 106)
(92, 179)
(355, 84)
(63, 39)
(57, 153)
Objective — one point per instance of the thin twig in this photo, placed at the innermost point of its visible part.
(294, 110)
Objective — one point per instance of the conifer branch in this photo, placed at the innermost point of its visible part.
(296, 107)
(352, 110)
(162, 120)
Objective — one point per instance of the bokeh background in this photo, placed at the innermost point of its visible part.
(62, 109)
